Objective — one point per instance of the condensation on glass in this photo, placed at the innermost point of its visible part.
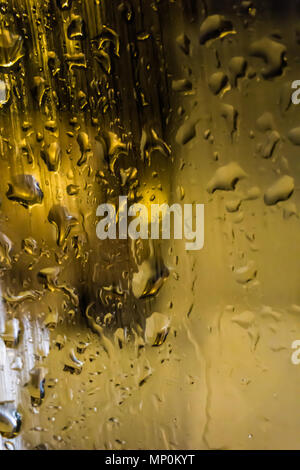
(122, 344)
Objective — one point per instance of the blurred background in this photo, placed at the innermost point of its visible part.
(122, 344)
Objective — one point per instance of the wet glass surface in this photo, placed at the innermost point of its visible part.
(141, 344)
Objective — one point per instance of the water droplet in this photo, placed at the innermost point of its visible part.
(51, 154)
(213, 27)
(226, 178)
(10, 421)
(11, 49)
(63, 220)
(272, 52)
(281, 190)
(25, 190)
(157, 329)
